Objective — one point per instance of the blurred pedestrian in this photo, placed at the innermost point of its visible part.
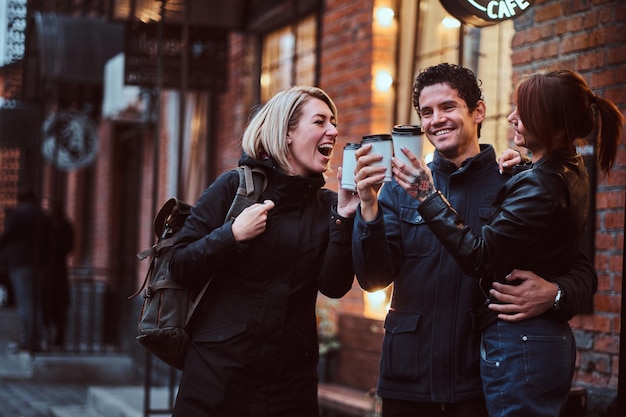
(25, 243)
(56, 299)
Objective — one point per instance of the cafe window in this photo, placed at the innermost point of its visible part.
(486, 51)
(289, 57)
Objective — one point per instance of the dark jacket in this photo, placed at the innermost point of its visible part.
(537, 224)
(254, 333)
(430, 348)
(24, 241)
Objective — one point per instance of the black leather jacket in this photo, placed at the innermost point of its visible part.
(537, 223)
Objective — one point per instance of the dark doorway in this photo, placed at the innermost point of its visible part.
(127, 179)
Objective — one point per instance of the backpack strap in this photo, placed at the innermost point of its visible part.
(252, 183)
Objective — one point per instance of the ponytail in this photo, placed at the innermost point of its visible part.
(609, 122)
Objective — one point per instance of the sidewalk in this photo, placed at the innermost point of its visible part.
(20, 395)
(53, 385)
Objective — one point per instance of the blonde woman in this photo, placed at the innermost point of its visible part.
(254, 347)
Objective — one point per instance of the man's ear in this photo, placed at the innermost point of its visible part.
(480, 111)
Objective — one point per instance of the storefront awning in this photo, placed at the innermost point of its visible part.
(72, 50)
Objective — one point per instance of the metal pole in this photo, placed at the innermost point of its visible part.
(621, 376)
(182, 104)
(156, 99)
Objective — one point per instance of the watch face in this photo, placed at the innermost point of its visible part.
(558, 298)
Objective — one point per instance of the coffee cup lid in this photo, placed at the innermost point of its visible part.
(376, 138)
(408, 130)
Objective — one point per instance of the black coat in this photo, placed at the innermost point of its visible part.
(24, 241)
(254, 348)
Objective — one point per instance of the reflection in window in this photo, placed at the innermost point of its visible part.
(289, 57)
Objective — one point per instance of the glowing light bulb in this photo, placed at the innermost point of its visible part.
(383, 81)
(384, 16)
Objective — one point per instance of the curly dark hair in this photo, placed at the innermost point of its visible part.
(460, 78)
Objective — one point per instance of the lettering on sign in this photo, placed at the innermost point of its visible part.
(207, 56)
(481, 13)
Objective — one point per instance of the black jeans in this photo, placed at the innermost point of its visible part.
(402, 408)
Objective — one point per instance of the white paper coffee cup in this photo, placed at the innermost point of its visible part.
(383, 145)
(410, 137)
(348, 166)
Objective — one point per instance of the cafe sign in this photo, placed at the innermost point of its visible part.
(481, 13)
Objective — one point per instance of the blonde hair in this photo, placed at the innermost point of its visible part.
(267, 130)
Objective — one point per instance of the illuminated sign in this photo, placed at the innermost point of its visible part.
(481, 13)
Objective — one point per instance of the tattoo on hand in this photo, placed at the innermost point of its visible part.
(421, 184)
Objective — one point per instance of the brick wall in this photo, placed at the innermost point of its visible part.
(234, 104)
(589, 37)
(345, 71)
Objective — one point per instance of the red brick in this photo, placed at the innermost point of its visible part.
(545, 50)
(615, 263)
(614, 220)
(590, 20)
(575, 23)
(546, 31)
(605, 282)
(574, 43)
(575, 6)
(607, 303)
(598, 323)
(561, 27)
(521, 56)
(590, 61)
(606, 343)
(604, 241)
(548, 11)
(613, 199)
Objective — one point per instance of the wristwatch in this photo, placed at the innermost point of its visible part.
(558, 300)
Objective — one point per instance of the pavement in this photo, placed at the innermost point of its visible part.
(54, 384)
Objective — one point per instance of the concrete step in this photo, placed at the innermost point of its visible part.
(65, 368)
(126, 401)
(73, 411)
(96, 369)
(16, 365)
